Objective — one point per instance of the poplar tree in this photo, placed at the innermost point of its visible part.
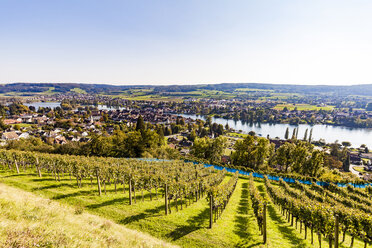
(286, 135)
(305, 136)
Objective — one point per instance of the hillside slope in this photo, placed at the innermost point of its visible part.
(27, 220)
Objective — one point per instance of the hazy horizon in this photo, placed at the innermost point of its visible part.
(186, 42)
(184, 84)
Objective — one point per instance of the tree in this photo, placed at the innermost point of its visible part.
(2, 125)
(284, 156)
(220, 130)
(203, 133)
(161, 135)
(227, 126)
(192, 136)
(311, 135)
(286, 135)
(332, 162)
(210, 149)
(251, 152)
(208, 121)
(346, 143)
(297, 132)
(140, 123)
(346, 163)
(305, 135)
(335, 149)
(299, 156)
(167, 131)
(252, 133)
(294, 134)
(182, 122)
(215, 149)
(314, 164)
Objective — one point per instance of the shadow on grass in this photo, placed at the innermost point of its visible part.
(123, 200)
(145, 214)
(15, 175)
(241, 219)
(194, 223)
(50, 179)
(261, 189)
(287, 232)
(54, 186)
(79, 193)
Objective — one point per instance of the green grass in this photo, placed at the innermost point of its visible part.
(238, 135)
(149, 95)
(23, 124)
(302, 107)
(252, 90)
(78, 90)
(360, 169)
(28, 220)
(237, 226)
(188, 228)
(282, 234)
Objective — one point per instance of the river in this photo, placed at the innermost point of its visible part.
(356, 136)
(52, 105)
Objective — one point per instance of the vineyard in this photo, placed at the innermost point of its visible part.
(193, 206)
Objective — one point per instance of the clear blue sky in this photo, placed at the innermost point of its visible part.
(186, 41)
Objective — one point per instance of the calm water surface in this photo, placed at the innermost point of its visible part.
(37, 105)
(52, 105)
(356, 136)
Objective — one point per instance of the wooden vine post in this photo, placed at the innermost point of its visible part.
(264, 224)
(98, 183)
(210, 210)
(166, 199)
(38, 166)
(16, 164)
(336, 230)
(130, 191)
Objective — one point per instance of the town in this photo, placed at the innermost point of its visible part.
(69, 123)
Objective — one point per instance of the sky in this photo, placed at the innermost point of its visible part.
(186, 41)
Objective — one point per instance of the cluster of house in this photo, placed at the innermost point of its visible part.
(56, 136)
(357, 158)
(180, 142)
(87, 121)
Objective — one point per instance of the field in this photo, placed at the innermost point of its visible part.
(237, 226)
(149, 94)
(302, 107)
(237, 135)
(78, 90)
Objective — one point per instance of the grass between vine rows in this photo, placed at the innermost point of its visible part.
(280, 229)
(237, 226)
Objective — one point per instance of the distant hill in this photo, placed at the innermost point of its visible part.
(363, 90)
